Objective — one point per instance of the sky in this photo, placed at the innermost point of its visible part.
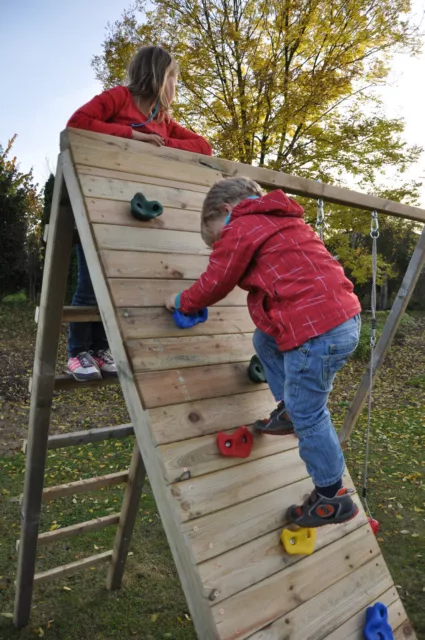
(46, 47)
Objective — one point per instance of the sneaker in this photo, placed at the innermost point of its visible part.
(318, 510)
(106, 363)
(84, 367)
(277, 425)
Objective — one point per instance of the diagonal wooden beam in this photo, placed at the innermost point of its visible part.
(416, 264)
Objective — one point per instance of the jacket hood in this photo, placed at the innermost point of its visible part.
(274, 203)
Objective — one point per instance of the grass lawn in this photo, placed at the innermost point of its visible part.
(151, 605)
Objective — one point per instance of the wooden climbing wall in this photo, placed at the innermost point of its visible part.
(222, 516)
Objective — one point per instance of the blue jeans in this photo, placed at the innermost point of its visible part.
(85, 336)
(303, 378)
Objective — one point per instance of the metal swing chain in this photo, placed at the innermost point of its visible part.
(320, 220)
(374, 234)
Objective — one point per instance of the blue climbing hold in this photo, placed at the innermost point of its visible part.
(377, 627)
(187, 320)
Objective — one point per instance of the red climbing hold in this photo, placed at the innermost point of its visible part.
(237, 444)
(374, 525)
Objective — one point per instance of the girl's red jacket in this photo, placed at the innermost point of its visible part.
(297, 290)
(114, 111)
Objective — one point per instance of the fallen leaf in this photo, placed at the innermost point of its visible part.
(7, 615)
(404, 531)
(67, 588)
(154, 617)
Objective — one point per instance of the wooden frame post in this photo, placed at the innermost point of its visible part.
(52, 299)
(130, 505)
(416, 264)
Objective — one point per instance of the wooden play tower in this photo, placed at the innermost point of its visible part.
(222, 516)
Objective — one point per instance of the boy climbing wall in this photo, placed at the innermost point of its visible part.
(307, 318)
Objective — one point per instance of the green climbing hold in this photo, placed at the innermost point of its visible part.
(256, 371)
(143, 209)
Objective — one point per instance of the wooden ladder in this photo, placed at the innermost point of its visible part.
(49, 317)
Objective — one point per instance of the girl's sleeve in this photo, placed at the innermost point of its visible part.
(181, 138)
(96, 114)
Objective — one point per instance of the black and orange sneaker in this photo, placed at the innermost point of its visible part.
(277, 425)
(318, 510)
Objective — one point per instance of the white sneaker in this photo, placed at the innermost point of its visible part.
(84, 367)
(106, 363)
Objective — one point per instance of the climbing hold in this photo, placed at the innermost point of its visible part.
(298, 541)
(237, 444)
(374, 525)
(256, 371)
(143, 209)
(187, 320)
(377, 627)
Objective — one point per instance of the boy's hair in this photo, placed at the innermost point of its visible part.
(148, 72)
(230, 191)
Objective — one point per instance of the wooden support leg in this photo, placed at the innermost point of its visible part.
(410, 279)
(52, 298)
(133, 491)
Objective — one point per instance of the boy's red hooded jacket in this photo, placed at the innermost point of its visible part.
(297, 290)
(114, 111)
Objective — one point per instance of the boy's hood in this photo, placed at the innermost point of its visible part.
(274, 203)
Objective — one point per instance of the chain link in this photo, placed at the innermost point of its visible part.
(374, 234)
(320, 220)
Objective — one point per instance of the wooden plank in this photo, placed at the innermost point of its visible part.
(48, 332)
(398, 309)
(227, 487)
(259, 605)
(211, 535)
(81, 486)
(322, 614)
(199, 456)
(134, 264)
(130, 505)
(182, 554)
(138, 323)
(266, 177)
(65, 382)
(138, 160)
(124, 190)
(405, 632)
(77, 529)
(238, 569)
(352, 629)
(72, 568)
(160, 388)
(155, 354)
(76, 438)
(161, 181)
(80, 314)
(192, 419)
(152, 293)
(111, 236)
(118, 213)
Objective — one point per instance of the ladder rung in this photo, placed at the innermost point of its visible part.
(64, 382)
(75, 438)
(81, 314)
(77, 529)
(72, 568)
(80, 486)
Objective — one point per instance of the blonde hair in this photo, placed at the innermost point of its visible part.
(148, 72)
(229, 191)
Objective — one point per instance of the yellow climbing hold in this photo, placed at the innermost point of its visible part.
(298, 542)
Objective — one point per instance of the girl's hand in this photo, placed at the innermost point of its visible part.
(170, 302)
(151, 138)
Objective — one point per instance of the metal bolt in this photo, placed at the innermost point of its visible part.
(292, 541)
